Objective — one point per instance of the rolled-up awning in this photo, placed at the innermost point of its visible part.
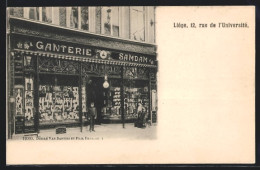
(83, 59)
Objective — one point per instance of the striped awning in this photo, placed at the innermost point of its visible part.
(83, 59)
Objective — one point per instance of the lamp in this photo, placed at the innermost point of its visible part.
(105, 84)
(12, 99)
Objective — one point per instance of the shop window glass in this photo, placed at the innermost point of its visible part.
(34, 13)
(84, 18)
(112, 102)
(136, 95)
(110, 21)
(137, 23)
(58, 99)
(47, 14)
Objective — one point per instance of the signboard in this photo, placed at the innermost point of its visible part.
(65, 48)
(133, 58)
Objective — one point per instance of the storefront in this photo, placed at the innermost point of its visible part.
(53, 81)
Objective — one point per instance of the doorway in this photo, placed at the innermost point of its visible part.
(97, 95)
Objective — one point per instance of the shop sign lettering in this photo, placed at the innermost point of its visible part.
(135, 58)
(80, 50)
(53, 47)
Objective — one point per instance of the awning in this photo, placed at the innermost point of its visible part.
(83, 59)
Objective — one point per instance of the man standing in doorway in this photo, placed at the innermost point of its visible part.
(92, 115)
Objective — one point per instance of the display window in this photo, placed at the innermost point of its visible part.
(58, 99)
(136, 98)
(112, 102)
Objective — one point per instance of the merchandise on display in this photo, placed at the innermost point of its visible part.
(58, 104)
(29, 105)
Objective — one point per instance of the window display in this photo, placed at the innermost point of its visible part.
(112, 102)
(29, 104)
(135, 93)
(19, 101)
(58, 103)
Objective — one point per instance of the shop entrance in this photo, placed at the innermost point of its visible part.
(97, 95)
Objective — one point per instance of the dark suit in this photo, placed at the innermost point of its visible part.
(92, 117)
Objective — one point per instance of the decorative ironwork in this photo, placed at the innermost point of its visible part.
(58, 66)
(130, 72)
(100, 69)
(142, 73)
(136, 73)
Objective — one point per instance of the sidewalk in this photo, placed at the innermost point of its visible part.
(103, 131)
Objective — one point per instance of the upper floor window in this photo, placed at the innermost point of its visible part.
(78, 17)
(62, 16)
(84, 18)
(137, 27)
(47, 14)
(110, 21)
(74, 17)
(34, 13)
(132, 22)
(39, 13)
(17, 11)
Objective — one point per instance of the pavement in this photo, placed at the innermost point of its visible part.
(102, 132)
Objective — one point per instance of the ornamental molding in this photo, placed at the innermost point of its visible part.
(51, 32)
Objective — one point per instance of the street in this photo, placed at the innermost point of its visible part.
(102, 132)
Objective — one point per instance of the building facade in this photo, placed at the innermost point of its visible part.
(59, 59)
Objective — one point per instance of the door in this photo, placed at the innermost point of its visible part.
(96, 95)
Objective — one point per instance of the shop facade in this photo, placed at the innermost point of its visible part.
(55, 73)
